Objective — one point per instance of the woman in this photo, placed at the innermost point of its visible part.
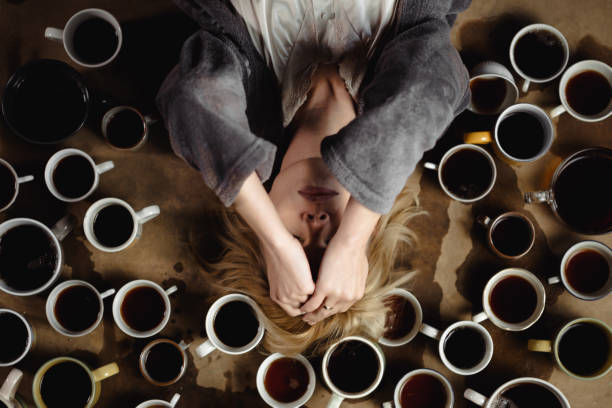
(335, 106)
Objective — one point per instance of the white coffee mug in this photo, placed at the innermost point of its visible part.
(30, 340)
(66, 36)
(494, 400)
(436, 334)
(418, 320)
(146, 120)
(450, 395)
(486, 301)
(160, 403)
(9, 388)
(491, 70)
(214, 343)
(18, 181)
(118, 302)
(138, 218)
(261, 387)
(596, 246)
(52, 299)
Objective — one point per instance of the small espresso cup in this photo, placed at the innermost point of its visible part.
(466, 173)
(499, 300)
(517, 57)
(403, 320)
(55, 235)
(582, 348)
(510, 235)
(338, 394)
(593, 74)
(160, 403)
(10, 183)
(58, 167)
(163, 355)
(58, 368)
(139, 299)
(294, 387)
(125, 128)
(127, 234)
(227, 316)
(60, 301)
(502, 396)
(424, 387)
(479, 356)
(15, 325)
(9, 388)
(91, 37)
(493, 88)
(586, 270)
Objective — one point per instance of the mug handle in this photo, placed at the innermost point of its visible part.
(104, 167)
(171, 290)
(483, 220)
(480, 317)
(557, 111)
(184, 346)
(387, 404)
(63, 227)
(542, 346)
(54, 34)
(107, 293)
(525, 86)
(545, 196)
(24, 179)
(553, 280)
(151, 119)
(147, 214)
(475, 397)
(480, 137)
(430, 166)
(430, 331)
(334, 401)
(9, 388)
(174, 400)
(205, 349)
(106, 371)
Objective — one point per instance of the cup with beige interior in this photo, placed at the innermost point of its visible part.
(403, 320)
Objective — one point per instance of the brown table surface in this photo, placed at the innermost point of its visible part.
(452, 260)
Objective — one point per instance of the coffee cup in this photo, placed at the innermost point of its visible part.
(66, 381)
(523, 133)
(112, 225)
(285, 381)
(423, 388)
(29, 246)
(352, 368)
(465, 347)
(160, 403)
(585, 91)
(524, 391)
(9, 389)
(466, 173)
(499, 300)
(582, 348)
(125, 128)
(141, 308)
(10, 182)
(538, 53)
(585, 270)
(403, 320)
(75, 308)
(234, 325)
(20, 340)
(510, 235)
(578, 193)
(163, 362)
(493, 88)
(91, 37)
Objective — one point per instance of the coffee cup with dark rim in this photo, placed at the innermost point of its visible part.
(262, 381)
(442, 384)
(413, 302)
(603, 266)
(179, 370)
(493, 88)
(122, 120)
(16, 182)
(497, 398)
(526, 230)
(160, 403)
(9, 388)
(26, 342)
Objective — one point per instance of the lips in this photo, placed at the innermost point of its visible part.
(317, 194)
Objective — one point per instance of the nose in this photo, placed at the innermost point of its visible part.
(316, 219)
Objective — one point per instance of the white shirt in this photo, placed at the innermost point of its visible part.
(295, 36)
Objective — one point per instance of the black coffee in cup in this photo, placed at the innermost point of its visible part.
(236, 324)
(511, 235)
(588, 93)
(400, 318)
(66, 385)
(530, 395)
(8, 186)
(73, 176)
(521, 135)
(465, 347)
(353, 366)
(164, 362)
(143, 308)
(488, 94)
(587, 271)
(423, 391)
(584, 349)
(15, 337)
(539, 54)
(95, 40)
(77, 308)
(504, 295)
(125, 129)
(286, 379)
(28, 257)
(113, 225)
(467, 173)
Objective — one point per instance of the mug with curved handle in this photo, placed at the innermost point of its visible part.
(9, 388)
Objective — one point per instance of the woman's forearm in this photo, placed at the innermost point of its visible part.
(357, 225)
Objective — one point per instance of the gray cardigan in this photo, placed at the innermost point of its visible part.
(221, 103)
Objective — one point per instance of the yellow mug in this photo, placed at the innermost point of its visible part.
(66, 380)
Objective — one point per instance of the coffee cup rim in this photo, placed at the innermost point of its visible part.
(497, 220)
(263, 392)
(10, 167)
(52, 165)
(527, 380)
(89, 219)
(493, 69)
(417, 323)
(450, 401)
(489, 346)
(149, 403)
(108, 115)
(603, 250)
(142, 361)
(30, 336)
(575, 69)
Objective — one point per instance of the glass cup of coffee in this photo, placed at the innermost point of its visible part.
(524, 392)
(112, 225)
(466, 173)
(579, 192)
(499, 300)
(403, 320)
(125, 128)
(493, 88)
(75, 308)
(9, 389)
(10, 184)
(523, 133)
(71, 175)
(67, 382)
(585, 91)
(31, 256)
(285, 381)
(163, 362)
(234, 325)
(352, 368)
(510, 235)
(585, 270)
(538, 53)
(141, 308)
(582, 348)
(465, 347)
(20, 339)
(422, 388)
(91, 37)
(160, 403)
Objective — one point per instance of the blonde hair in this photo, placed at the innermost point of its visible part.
(242, 269)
